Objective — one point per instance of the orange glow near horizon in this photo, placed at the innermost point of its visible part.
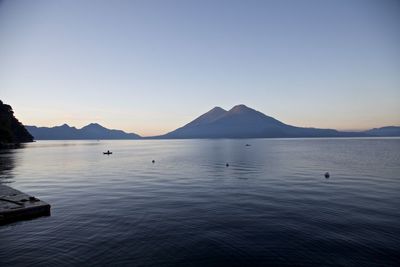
(165, 124)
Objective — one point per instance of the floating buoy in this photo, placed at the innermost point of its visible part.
(153, 161)
(227, 165)
(327, 175)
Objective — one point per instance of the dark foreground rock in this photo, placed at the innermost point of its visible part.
(15, 206)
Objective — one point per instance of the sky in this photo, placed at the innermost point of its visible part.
(149, 67)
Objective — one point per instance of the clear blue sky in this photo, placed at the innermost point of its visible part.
(150, 66)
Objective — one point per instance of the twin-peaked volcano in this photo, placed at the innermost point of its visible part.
(244, 122)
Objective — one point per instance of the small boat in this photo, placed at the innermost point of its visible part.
(107, 153)
(248, 145)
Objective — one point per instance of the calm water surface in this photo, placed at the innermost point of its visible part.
(271, 206)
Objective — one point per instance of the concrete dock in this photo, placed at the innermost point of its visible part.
(15, 206)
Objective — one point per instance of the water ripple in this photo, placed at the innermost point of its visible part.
(271, 205)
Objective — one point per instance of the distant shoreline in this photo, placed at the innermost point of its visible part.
(226, 138)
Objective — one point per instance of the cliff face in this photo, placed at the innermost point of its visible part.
(11, 130)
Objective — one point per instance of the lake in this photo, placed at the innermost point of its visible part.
(271, 206)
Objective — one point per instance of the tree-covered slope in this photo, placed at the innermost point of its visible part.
(11, 130)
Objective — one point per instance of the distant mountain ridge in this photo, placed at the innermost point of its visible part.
(90, 131)
(238, 122)
(384, 131)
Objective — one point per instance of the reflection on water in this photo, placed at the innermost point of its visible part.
(271, 206)
(7, 164)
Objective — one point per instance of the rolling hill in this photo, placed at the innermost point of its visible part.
(90, 131)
